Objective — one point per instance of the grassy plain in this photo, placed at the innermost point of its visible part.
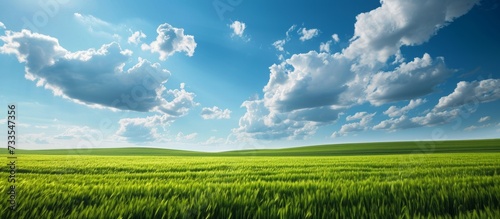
(459, 179)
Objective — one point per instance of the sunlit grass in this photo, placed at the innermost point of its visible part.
(377, 186)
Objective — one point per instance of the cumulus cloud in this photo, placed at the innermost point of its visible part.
(260, 123)
(431, 118)
(471, 92)
(306, 81)
(380, 33)
(302, 93)
(215, 113)
(96, 77)
(363, 124)
(436, 117)
(238, 28)
(410, 80)
(171, 40)
(177, 102)
(2, 26)
(358, 116)
(306, 34)
(311, 89)
(142, 130)
(335, 37)
(484, 119)
(392, 124)
(395, 111)
(136, 37)
(310, 84)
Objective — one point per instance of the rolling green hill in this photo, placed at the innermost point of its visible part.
(378, 148)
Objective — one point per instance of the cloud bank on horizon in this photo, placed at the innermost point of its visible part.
(370, 84)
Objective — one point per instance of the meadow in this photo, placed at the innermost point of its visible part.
(369, 181)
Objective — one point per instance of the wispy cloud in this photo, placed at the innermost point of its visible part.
(181, 137)
(99, 27)
(484, 119)
(280, 44)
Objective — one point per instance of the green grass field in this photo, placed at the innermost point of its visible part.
(454, 179)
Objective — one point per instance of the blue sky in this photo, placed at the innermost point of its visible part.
(229, 75)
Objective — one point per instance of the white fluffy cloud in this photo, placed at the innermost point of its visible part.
(136, 37)
(238, 28)
(380, 33)
(301, 94)
(335, 37)
(260, 123)
(474, 92)
(215, 113)
(436, 117)
(177, 102)
(410, 80)
(171, 40)
(431, 118)
(311, 89)
(2, 26)
(393, 124)
(306, 81)
(142, 130)
(96, 77)
(394, 111)
(306, 34)
(363, 124)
